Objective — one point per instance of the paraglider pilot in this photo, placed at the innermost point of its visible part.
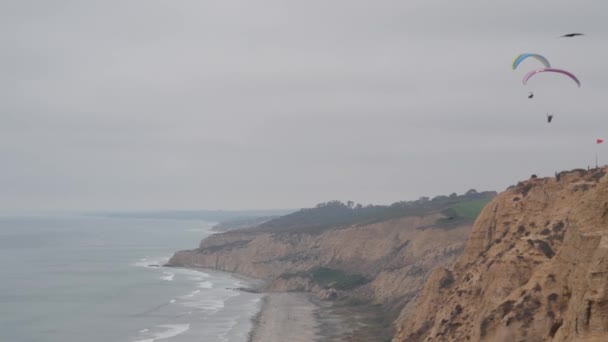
(549, 117)
(531, 95)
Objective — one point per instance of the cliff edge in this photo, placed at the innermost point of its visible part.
(535, 268)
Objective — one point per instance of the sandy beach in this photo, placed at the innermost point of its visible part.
(286, 317)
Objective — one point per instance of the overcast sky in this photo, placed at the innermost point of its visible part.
(240, 104)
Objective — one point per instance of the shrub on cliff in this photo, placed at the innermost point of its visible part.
(330, 278)
(338, 214)
(337, 279)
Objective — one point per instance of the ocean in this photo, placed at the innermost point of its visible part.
(82, 278)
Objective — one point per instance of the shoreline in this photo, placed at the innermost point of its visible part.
(292, 316)
(299, 317)
(286, 317)
(254, 285)
(255, 320)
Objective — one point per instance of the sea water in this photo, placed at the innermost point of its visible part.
(95, 279)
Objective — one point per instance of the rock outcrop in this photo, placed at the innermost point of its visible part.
(535, 268)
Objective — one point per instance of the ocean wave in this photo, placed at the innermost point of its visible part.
(192, 294)
(170, 330)
(192, 274)
(168, 276)
(208, 305)
(148, 262)
(205, 285)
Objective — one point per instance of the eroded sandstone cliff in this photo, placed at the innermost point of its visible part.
(534, 269)
(382, 263)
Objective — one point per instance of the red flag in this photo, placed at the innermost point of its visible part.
(599, 141)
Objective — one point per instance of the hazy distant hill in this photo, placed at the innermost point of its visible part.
(203, 215)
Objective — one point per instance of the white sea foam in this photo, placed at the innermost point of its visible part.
(209, 305)
(143, 262)
(192, 274)
(170, 330)
(172, 301)
(168, 276)
(205, 285)
(152, 262)
(192, 294)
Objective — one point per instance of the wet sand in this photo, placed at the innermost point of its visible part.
(286, 317)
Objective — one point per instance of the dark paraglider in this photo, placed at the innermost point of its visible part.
(549, 117)
(571, 35)
(531, 96)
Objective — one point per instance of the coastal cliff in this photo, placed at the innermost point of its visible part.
(382, 261)
(535, 268)
(392, 255)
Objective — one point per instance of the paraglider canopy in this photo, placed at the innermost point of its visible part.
(523, 56)
(560, 71)
(571, 35)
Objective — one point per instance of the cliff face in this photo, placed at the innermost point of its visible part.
(534, 269)
(385, 263)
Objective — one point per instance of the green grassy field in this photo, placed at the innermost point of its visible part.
(470, 209)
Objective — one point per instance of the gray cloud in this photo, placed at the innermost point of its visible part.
(241, 104)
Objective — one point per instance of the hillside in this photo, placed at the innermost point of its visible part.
(378, 256)
(534, 269)
(335, 214)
